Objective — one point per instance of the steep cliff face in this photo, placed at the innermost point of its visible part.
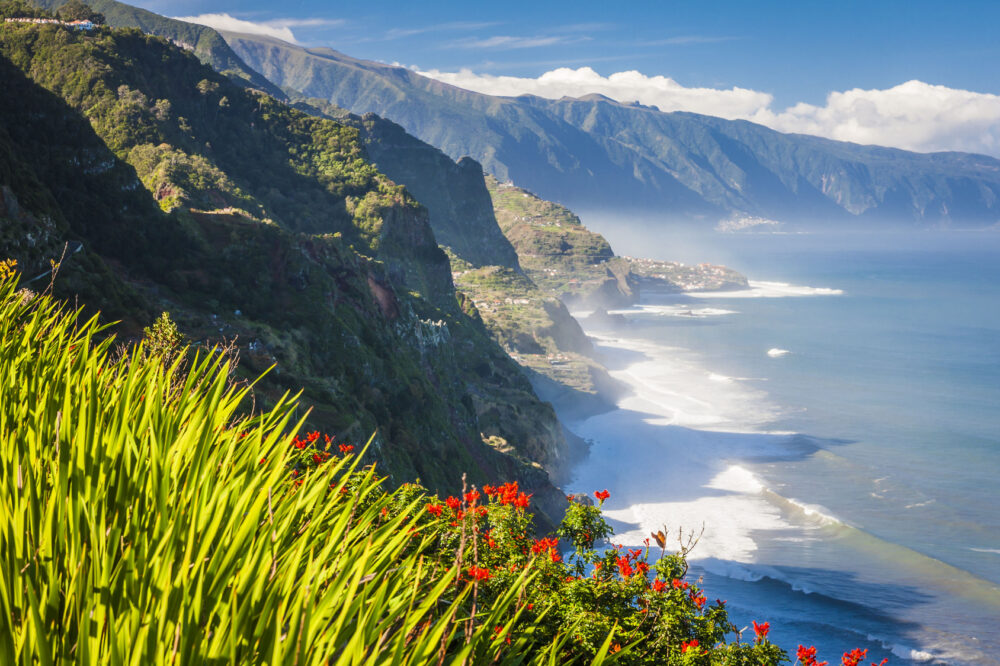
(460, 209)
(455, 195)
(250, 220)
(561, 255)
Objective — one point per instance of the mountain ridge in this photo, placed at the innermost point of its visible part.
(592, 153)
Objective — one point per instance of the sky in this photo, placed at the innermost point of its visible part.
(913, 74)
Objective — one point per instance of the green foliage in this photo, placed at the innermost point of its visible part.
(21, 9)
(75, 10)
(145, 520)
(163, 339)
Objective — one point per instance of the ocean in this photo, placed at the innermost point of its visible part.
(832, 433)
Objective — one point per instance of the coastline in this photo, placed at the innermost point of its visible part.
(683, 449)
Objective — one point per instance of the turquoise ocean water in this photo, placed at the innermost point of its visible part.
(872, 428)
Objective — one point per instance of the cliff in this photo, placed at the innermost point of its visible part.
(252, 221)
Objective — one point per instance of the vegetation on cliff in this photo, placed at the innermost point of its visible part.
(248, 219)
(201, 40)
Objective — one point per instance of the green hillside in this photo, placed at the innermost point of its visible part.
(247, 219)
(201, 40)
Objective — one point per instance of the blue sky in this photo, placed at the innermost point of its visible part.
(797, 51)
(786, 52)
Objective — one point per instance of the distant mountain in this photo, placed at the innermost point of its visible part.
(595, 153)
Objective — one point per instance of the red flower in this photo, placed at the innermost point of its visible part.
(807, 656)
(434, 509)
(602, 494)
(687, 645)
(854, 656)
(699, 600)
(453, 503)
(542, 545)
(679, 584)
(498, 630)
(522, 501)
(761, 630)
(624, 568)
(554, 555)
(882, 663)
(659, 585)
(479, 573)
(489, 490)
(642, 568)
(318, 458)
(472, 498)
(346, 448)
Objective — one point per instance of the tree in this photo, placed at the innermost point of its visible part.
(75, 10)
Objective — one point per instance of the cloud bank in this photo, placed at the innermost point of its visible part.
(913, 115)
(278, 28)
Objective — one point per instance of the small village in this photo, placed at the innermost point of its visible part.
(76, 25)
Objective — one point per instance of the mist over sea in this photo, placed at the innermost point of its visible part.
(836, 429)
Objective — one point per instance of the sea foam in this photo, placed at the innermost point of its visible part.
(761, 289)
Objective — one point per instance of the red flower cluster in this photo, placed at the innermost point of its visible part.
(472, 498)
(602, 494)
(435, 509)
(687, 645)
(509, 493)
(346, 448)
(453, 503)
(853, 657)
(625, 567)
(309, 440)
(659, 585)
(479, 573)
(760, 630)
(807, 656)
(542, 545)
(698, 599)
(679, 584)
(499, 630)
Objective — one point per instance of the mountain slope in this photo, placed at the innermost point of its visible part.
(593, 152)
(455, 194)
(203, 41)
(248, 219)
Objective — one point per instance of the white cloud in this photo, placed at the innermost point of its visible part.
(660, 91)
(511, 42)
(913, 115)
(278, 28)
